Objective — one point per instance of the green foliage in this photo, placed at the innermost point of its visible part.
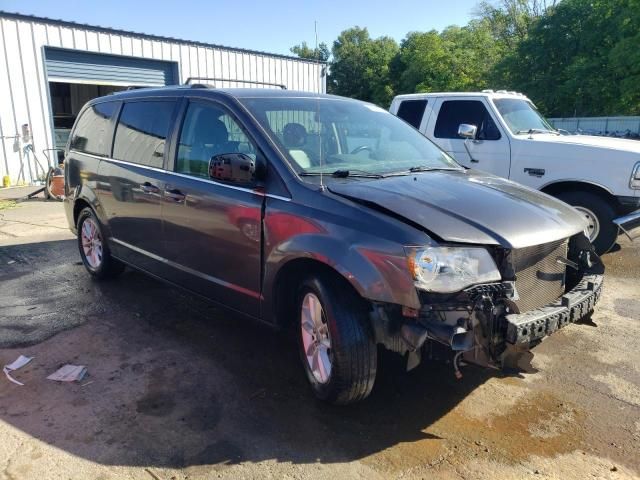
(574, 57)
(581, 58)
(303, 50)
(458, 59)
(360, 67)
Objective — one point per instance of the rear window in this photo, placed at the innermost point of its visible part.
(412, 111)
(142, 132)
(92, 133)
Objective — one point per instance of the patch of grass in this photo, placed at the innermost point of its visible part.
(7, 204)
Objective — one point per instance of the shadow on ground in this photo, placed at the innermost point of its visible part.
(175, 382)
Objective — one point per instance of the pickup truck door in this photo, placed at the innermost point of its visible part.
(490, 152)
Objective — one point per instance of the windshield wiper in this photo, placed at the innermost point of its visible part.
(344, 174)
(426, 168)
(536, 130)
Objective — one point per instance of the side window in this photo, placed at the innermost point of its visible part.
(91, 134)
(207, 131)
(142, 132)
(412, 111)
(454, 112)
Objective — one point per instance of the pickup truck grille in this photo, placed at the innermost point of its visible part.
(540, 278)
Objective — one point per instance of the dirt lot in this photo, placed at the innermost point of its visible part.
(179, 389)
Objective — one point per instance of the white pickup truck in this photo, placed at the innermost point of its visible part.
(503, 133)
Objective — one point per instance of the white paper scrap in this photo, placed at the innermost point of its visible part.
(68, 373)
(20, 362)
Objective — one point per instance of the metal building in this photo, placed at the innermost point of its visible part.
(50, 68)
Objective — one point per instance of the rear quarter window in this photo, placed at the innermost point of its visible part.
(92, 133)
(142, 132)
(412, 111)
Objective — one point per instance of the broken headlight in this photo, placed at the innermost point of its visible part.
(451, 269)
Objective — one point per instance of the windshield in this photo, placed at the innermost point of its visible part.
(345, 137)
(521, 116)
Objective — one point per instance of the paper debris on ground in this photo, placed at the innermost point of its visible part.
(69, 373)
(20, 362)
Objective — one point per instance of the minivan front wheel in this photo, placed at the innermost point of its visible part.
(93, 247)
(336, 346)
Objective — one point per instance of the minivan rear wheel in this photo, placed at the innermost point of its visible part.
(93, 247)
(336, 346)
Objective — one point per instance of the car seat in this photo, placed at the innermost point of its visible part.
(294, 137)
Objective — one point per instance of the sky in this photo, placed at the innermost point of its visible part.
(272, 26)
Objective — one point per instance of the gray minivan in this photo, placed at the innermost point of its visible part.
(329, 216)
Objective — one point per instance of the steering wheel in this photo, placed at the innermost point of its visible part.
(361, 148)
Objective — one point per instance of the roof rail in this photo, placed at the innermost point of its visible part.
(487, 90)
(252, 82)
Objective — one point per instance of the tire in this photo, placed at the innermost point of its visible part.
(352, 353)
(96, 258)
(604, 212)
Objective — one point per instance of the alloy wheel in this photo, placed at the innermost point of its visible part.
(91, 243)
(316, 340)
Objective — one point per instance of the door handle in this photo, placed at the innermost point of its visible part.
(147, 187)
(473, 160)
(174, 195)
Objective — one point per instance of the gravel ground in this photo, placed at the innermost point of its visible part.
(178, 389)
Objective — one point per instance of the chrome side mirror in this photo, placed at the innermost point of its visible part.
(467, 131)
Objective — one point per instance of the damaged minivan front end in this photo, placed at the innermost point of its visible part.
(502, 265)
(490, 305)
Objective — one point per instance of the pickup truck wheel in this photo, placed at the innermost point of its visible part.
(336, 346)
(599, 214)
(93, 247)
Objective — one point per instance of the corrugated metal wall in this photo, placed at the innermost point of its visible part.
(24, 90)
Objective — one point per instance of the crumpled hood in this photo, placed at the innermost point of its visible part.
(469, 207)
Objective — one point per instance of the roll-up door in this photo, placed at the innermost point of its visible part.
(75, 66)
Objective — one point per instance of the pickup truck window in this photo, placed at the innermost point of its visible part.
(473, 112)
(412, 111)
(521, 116)
(329, 136)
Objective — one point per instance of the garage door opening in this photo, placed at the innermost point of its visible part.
(67, 99)
(76, 76)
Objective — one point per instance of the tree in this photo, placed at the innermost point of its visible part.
(360, 66)
(303, 50)
(572, 57)
(510, 20)
(580, 58)
(457, 59)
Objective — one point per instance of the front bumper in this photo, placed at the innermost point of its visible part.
(629, 224)
(528, 327)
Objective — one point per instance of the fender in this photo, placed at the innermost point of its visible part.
(87, 194)
(575, 181)
(377, 271)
